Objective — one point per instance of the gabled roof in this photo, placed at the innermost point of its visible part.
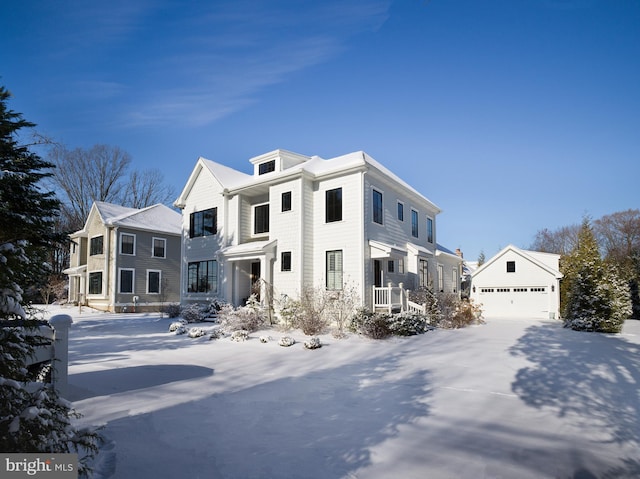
(315, 167)
(532, 256)
(157, 217)
(442, 250)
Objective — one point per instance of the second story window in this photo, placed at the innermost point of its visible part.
(286, 201)
(267, 167)
(333, 205)
(159, 248)
(377, 207)
(261, 219)
(400, 211)
(95, 246)
(511, 266)
(203, 223)
(127, 244)
(414, 223)
(429, 230)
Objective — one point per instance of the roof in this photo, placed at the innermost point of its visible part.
(545, 261)
(156, 217)
(315, 166)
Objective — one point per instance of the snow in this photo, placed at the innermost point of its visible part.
(508, 399)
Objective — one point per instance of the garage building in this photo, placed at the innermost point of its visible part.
(519, 284)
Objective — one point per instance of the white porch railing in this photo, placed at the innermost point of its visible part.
(394, 299)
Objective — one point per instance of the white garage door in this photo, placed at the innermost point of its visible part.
(525, 302)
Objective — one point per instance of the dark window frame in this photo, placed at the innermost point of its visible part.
(202, 276)
(285, 261)
(377, 206)
(415, 228)
(333, 205)
(267, 167)
(96, 245)
(511, 266)
(261, 219)
(286, 201)
(95, 279)
(203, 223)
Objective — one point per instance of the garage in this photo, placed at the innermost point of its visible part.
(519, 284)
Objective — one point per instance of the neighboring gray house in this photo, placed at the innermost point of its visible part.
(301, 221)
(126, 259)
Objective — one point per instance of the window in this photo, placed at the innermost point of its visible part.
(286, 201)
(202, 277)
(285, 259)
(377, 207)
(414, 223)
(333, 205)
(127, 244)
(400, 211)
(159, 247)
(429, 230)
(203, 223)
(423, 273)
(511, 266)
(126, 280)
(153, 281)
(267, 167)
(95, 282)
(391, 266)
(96, 245)
(401, 266)
(334, 269)
(454, 280)
(261, 219)
(441, 278)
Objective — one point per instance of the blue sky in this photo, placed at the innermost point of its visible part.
(511, 115)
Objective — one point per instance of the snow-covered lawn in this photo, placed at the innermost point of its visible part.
(508, 399)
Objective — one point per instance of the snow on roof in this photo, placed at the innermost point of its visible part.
(157, 217)
(232, 179)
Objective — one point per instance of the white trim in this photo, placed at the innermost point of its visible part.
(122, 234)
(133, 281)
(101, 293)
(159, 271)
(253, 220)
(153, 248)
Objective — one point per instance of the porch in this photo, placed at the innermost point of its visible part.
(395, 299)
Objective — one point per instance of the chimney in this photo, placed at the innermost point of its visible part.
(459, 253)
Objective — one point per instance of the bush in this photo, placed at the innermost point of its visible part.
(172, 310)
(240, 335)
(370, 324)
(287, 311)
(196, 332)
(311, 317)
(176, 325)
(193, 313)
(250, 318)
(286, 341)
(313, 343)
(408, 323)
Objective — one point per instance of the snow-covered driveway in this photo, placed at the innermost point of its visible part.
(508, 399)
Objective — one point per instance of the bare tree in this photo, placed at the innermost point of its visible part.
(146, 188)
(619, 237)
(561, 241)
(101, 173)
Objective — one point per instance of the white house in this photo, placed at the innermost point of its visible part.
(126, 259)
(300, 221)
(519, 284)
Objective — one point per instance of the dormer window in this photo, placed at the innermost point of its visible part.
(267, 167)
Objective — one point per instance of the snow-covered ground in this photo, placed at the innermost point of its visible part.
(508, 399)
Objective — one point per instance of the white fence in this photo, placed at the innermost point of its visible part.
(53, 350)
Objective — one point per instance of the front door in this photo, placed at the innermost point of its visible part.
(377, 273)
(255, 279)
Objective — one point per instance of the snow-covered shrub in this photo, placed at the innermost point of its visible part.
(193, 313)
(180, 329)
(216, 334)
(426, 297)
(287, 310)
(313, 343)
(240, 335)
(196, 332)
(286, 341)
(250, 317)
(408, 323)
(265, 339)
(370, 324)
(214, 307)
(172, 310)
(176, 324)
(456, 313)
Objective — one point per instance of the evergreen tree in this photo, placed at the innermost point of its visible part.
(27, 214)
(594, 296)
(30, 421)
